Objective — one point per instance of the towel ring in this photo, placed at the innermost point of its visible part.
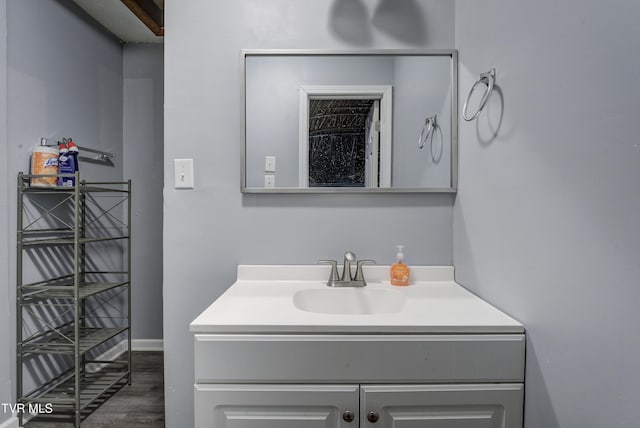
(489, 79)
(428, 129)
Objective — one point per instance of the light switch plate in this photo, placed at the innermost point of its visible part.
(270, 164)
(183, 173)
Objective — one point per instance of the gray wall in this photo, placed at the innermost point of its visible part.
(546, 222)
(6, 178)
(65, 79)
(143, 135)
(208, 231)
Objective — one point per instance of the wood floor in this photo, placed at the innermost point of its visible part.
(140, 404)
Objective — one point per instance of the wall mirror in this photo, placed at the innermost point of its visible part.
(349, 121)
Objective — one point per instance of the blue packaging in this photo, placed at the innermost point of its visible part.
(66, 165)
(73, 151)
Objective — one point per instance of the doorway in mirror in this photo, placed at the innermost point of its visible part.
(344, 142)
(344, 136)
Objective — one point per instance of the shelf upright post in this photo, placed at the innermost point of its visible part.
(76, 299)
(19, 234)
(83, 256)
(130, 368)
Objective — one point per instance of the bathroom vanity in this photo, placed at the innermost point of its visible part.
(280, 349)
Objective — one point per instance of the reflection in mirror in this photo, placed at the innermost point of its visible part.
(348, 121)
(338, 131)
(342, 142)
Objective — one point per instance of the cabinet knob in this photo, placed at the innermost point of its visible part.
(373, 417)
(348, 416)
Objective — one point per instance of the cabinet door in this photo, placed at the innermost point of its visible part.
(442, 406)
(276, 406)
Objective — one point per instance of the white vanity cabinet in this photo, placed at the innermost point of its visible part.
(445, 359)
(359, 380)
(276, 406)
(440, 406)
(370, 406)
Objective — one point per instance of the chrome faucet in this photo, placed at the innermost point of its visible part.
(349, 258)
(347, 279)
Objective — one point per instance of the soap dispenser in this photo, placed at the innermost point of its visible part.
(400, 272)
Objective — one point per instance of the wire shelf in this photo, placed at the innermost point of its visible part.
(59, 230)
(61, 341)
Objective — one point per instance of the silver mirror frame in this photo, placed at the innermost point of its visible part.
(452, 53)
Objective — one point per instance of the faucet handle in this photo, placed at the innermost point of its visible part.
(349, 258)
(333, 276)
(359, 273)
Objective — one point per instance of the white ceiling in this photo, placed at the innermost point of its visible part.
(119, 20)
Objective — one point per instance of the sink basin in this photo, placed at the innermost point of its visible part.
(349, 301)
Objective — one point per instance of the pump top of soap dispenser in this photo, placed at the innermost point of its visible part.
(400, 254)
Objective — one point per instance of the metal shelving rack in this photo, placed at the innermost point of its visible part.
(77, 306)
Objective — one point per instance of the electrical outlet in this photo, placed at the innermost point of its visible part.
(183, 173)
(269, 181)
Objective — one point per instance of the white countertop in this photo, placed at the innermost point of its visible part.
(261, 301)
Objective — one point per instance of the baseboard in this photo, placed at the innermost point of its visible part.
(12, 422)
(146, 345)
